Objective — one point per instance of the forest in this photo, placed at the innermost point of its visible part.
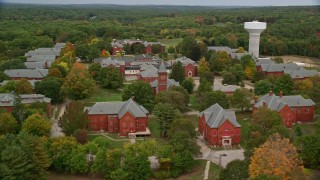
(290, 30)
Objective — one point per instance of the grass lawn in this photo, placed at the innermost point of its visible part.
(112, 144)
(170, 42)
(102, 95)
(197, 173)
(194, 103)
(244, 120)
(153, 125)
(311, 128)
(214, 171)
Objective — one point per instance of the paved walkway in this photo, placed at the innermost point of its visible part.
(206, 171)
(215, 155)
(55, 129)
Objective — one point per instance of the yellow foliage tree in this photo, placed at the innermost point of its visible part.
(277, 156)
(203, 66)
(304, 85)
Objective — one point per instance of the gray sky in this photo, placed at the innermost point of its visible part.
(178, 2)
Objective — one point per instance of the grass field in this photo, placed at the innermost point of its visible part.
(311, 128)
(244, 120)
(112, 144)
(103, 95)
(194, 103)
(170, 42)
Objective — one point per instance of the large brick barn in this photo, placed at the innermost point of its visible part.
(290, 108)
(219, 127)
(118, 117)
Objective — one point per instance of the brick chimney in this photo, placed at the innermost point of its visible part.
(280, 94)
(264, 104)
(270, 93)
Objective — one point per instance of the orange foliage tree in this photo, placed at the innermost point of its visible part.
(78, 83)
(277, 156)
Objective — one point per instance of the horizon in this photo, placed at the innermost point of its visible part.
(243, 3)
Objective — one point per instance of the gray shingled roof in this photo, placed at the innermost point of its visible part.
(41, 58)
(108, 61)
(185, 61)
(280, 67)
(170, 83)
(276, 103)
(215, 116)
(32, 82)
(118, 108)
(153, 72)
(145, 67)
(7, 99)
(302, 73)
(162, 68)
(37, 65)
(260, 61)
(226, 88)
(26, 73)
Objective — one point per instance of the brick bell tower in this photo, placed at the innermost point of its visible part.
(162, 78)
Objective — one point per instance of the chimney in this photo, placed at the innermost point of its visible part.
(255, 99)
(280, 94)
(270, 93)
(264, 104)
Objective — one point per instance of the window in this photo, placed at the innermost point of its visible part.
(307, 110)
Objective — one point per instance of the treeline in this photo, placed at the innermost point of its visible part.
(290, 30)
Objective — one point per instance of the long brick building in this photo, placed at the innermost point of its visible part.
(118, 117)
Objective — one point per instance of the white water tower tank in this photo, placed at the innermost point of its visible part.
(254, 28)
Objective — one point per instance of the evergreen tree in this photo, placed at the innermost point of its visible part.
(177, 72)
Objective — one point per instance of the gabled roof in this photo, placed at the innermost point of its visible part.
(41, 58)
(170, 83)
(280, 67)
(152, 72)
(215, 116)
(162, 68)
(260, 61)
(118, 108)
(185, 61)
(37, 65)
(106, 62)
(145, 67)
(26, 73)
(303, 73)
(276, 103)
(7, 99)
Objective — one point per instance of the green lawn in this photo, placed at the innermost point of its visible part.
(244, 120)
(103, 95)
(311, 128)
(214, 171)
(194, 103)
(112, 144)
(170, 42)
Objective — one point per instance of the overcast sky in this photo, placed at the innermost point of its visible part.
(178, 2)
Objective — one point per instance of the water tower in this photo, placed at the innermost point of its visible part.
(254, 28)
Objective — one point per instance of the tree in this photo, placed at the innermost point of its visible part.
(188, 47)
(78, 83)
(171, 49)
(241, 50)
(264, 119)
(94, 70)
(277, 156)
(36, 124)
(74, 118)
(278, 60)
(156, 48)
(8, 123)
(165, 114)
(141, 92)
(309, 147)
(50, 87)
(235, 169)
(203, 66)
(250, 69)
(81, 135)
(54, 72)
(209, 76)
(105, 53)
(182, 125)
(176, 99)
(241, 98)
(303, 85)
(111, 78)
(3, 76)
(177, 72)
(10, 86)
(229, 78)
(257, 76)
(188, 84)
(204, 88)
(137, 48)
(213, 97)
(285, 84)
(236, 71)
(262, 87)
(23, 86)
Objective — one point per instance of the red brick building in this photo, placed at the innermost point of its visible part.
(7, 101)
(190, 66)
(162, 83)
(219, 127)
(118, 117)
(290, 108)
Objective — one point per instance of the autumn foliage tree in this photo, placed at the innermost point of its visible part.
(24, 87)
(78, 83)
(36, 124)
(277, 156)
